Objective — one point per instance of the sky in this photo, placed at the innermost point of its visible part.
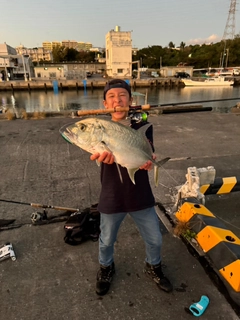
(152, 22)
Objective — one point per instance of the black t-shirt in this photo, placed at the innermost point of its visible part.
(118, 197)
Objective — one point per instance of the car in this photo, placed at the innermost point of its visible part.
(154, 74)
(88, 74)
(236, 72)
(182, 75)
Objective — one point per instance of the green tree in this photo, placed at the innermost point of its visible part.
(182, 45)
(71, 54)
(58, 53)
(198, 56)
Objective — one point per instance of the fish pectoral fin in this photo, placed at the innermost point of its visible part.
(162, 161)
(119, 172)
(131, 173)
(103, 143)
(97, 162)
(156, 169)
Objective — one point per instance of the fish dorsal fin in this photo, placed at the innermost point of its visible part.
(131, 173)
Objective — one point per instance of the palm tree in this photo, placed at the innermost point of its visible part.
(182, 45)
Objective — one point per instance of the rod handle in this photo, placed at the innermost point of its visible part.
(112, 110)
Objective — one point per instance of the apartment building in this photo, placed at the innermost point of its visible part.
(36, 54)
(84, 46)
(119, 53)
(73, 44)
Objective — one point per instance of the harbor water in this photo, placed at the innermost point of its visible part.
(52, 101)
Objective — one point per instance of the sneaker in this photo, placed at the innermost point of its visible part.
(156, 273)
(104, 279)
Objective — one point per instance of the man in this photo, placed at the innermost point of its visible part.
(117, 199)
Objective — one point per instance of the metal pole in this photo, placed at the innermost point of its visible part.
(224, 53)
(227, 57)
(220, 63)
(29, 69)
(24, 68)
(5, 67)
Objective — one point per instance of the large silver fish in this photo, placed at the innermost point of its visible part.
(130, 148)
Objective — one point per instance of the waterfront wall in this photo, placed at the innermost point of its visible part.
(62, 85)
(81, 84)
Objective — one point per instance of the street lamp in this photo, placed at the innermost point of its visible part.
(24, 68)
(29, 69)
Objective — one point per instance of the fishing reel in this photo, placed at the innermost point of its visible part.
(138, 116)
(38, 217)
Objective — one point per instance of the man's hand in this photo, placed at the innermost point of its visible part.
(148, 165)
(106, 157)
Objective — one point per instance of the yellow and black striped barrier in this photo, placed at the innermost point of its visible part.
(221, 245)
(221, 185)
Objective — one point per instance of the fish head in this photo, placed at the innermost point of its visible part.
(86, 134)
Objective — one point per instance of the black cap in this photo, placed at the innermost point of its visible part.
(116, 83)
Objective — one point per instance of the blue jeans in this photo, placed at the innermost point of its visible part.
(148, 225)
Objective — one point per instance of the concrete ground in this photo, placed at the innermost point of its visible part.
(52, 280)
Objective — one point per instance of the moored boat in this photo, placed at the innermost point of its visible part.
(208, 82)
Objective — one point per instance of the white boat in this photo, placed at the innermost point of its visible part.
(208, 82)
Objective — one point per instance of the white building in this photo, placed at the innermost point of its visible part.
(7, 63)
(119, 53)
(14, 65)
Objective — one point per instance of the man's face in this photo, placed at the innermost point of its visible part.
(117, 97)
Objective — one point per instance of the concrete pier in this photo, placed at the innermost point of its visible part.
(51, 280)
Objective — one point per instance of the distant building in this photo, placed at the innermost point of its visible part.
(119, 53)
(48, 46)
(73, 44)
(36, 54)
(56, 44)
(68, 71)
(14, 65)
(84, 46)
(171, 71)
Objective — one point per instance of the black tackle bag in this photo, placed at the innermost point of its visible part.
(82, 226)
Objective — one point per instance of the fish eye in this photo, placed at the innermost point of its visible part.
(82, 126)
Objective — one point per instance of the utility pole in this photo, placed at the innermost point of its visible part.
(229, 31)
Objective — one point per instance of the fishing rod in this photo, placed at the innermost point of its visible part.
(199, 101)
(186, 102)
(38, 205)
(39, 217)
(148, 107)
